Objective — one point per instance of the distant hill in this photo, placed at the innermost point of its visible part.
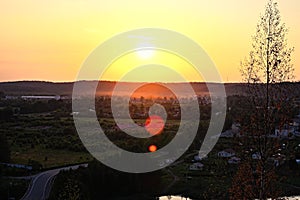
(106, 87)
(36, 88)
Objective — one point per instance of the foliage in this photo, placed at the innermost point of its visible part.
(6, 113)
(246, 183)
(99, 181)
(265, 70)
(270, 58)
(4, 149)
(12, 188)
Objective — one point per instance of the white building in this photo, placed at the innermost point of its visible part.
(227, 134)
(57, 97)
(234, 160)
(226, 153)
(284, 132)
(198, 157)
(256, 156)
(196, 166)
(11, 97)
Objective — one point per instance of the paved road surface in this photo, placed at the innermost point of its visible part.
(40, 186)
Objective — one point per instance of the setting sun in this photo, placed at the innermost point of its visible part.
(145, 54)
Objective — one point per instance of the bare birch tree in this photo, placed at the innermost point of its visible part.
(266, 70)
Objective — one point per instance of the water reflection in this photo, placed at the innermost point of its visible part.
(184, 198)
(173, 198)
(292, 198)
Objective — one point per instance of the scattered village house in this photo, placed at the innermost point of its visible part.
(256, 156)
(234, 160)
(288, 130)
(234, 131)
(226, 153)
(199, 157)
(196, 166)
(57, 97)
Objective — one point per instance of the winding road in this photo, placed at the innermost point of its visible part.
(40, 186)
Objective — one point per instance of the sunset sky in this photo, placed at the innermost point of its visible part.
(49, 40)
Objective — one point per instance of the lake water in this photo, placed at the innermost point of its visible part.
(183, 198)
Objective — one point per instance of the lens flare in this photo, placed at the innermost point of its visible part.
(154, 124)
(152, 148)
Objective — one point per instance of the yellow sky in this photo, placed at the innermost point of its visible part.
(49, 40)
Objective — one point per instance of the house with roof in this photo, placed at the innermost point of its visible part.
(226, 153)
(256, 156)
(199, 157)
(288, 130)
(233, 131)
(285, 131)
(196, 166)
(234, 160)
(227, 134)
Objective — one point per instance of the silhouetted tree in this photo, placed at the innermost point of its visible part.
(265, 70)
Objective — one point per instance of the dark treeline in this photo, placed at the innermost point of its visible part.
(100, 182)
(20, 106)
(4, 148)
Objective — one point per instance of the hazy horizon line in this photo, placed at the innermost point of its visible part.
(51, 81)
